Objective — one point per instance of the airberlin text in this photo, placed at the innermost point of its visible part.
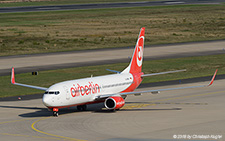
(90, 88)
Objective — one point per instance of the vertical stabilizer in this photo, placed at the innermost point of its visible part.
(135, 65)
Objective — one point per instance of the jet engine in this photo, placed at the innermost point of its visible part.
(114, 102)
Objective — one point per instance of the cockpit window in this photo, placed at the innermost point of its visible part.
(52, 92)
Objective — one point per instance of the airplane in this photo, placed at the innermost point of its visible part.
(111, 89)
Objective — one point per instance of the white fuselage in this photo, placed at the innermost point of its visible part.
(81, 91)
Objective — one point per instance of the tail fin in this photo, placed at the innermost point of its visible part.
(135, 65)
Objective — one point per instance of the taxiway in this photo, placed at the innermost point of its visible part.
(49, 61)
(105, 5)
(165, 116)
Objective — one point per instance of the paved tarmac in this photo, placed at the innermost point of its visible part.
(49, 61)
(182, 114)
(106, 5)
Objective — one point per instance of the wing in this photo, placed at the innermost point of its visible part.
(24, 85)
(157, 90)
(144, 75)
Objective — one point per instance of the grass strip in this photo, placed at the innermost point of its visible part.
(196, 67)
(56, 31)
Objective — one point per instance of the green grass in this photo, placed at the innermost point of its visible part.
(196, 67)
(40, 32)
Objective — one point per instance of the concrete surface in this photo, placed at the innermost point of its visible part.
(38, 62)
(105, 5)
(184, 114)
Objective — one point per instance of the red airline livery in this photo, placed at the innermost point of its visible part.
(110, 89)
(90, 88)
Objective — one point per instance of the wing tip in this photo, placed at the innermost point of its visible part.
(212, 80)
(13, 76)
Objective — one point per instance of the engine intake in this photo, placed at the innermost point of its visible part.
(114, 102)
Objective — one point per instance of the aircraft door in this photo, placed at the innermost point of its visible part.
(67, 92)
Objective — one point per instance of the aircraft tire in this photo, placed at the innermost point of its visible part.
(84, 107)
(55, 114)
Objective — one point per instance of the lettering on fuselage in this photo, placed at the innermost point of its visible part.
(79, 90)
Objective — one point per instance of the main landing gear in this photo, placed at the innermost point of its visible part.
(114, 110)
(82, 107)
(55, 112)
(79, 108)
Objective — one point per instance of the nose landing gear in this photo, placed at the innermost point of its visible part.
(55, 112)
(79, 108)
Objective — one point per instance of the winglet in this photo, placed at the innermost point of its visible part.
(212, 80)
(13, 76)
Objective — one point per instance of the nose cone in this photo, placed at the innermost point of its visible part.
(46, 100)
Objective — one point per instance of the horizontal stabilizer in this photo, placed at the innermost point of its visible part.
(113, 71)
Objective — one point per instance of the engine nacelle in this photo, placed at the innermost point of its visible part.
(114, 102)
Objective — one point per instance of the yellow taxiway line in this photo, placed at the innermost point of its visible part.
(42, 132)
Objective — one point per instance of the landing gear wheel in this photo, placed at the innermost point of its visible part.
(55, 114)
(79, 108)
(82, 107)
